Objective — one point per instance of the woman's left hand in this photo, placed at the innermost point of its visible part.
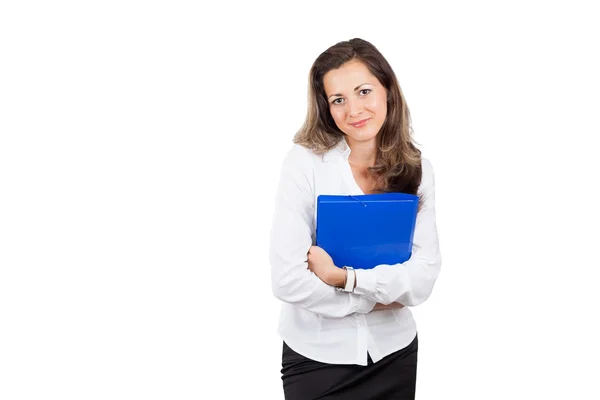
(321, 264)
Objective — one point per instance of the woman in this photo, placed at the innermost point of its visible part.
(356, 342)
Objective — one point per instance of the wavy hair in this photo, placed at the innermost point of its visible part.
(398, 161)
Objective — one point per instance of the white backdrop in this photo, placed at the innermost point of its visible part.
(140, 147)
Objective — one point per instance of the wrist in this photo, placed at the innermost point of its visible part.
(337, 277)
(349, 281)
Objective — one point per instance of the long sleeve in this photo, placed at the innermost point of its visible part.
(409, 283)
(291, 238)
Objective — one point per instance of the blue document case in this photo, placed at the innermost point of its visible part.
(367, 230)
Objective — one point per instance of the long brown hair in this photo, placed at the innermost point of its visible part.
(398, 161)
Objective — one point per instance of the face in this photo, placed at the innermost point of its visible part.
(357, 101)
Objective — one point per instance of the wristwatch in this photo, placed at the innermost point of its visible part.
(350, 279)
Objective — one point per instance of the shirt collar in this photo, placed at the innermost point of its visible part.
(341, 150)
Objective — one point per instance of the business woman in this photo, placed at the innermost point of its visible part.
(349, 333)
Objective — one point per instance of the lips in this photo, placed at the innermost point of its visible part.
(360, 123)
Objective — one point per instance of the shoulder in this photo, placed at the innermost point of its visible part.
(299, 153)
(427, 176)
(298, 161)
(426, 168)
(427, 186)
(301, 157)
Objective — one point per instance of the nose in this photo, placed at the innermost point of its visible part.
(355, 107)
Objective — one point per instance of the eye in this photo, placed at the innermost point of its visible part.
(337, 101)
(364, 92)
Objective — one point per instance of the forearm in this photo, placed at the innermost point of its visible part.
(409, 283)
(296, 284)
(312, 294)
(338, 279)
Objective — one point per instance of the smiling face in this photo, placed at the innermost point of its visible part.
(357, 101)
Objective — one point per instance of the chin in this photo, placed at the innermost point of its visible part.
(362, 136)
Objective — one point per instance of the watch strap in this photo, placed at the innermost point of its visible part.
(350, 279)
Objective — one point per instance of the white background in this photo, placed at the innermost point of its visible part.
(140, 150)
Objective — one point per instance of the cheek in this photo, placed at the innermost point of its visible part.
(338, 115)
(378, 106)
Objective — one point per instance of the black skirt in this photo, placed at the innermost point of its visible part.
(393, 377)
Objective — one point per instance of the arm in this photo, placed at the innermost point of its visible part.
(411, 282)
(291, 239)
(321, 264)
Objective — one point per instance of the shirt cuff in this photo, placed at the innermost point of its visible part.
(366, 282)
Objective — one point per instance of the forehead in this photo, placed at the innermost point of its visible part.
(347, 77)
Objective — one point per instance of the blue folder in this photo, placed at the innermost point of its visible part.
(364, 231)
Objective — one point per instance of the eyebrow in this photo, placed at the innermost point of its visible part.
(355, 89)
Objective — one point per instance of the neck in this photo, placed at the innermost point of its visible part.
(362, 153)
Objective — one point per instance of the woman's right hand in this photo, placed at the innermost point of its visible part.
(392, 306)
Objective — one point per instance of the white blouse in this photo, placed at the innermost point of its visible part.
(317, 320)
